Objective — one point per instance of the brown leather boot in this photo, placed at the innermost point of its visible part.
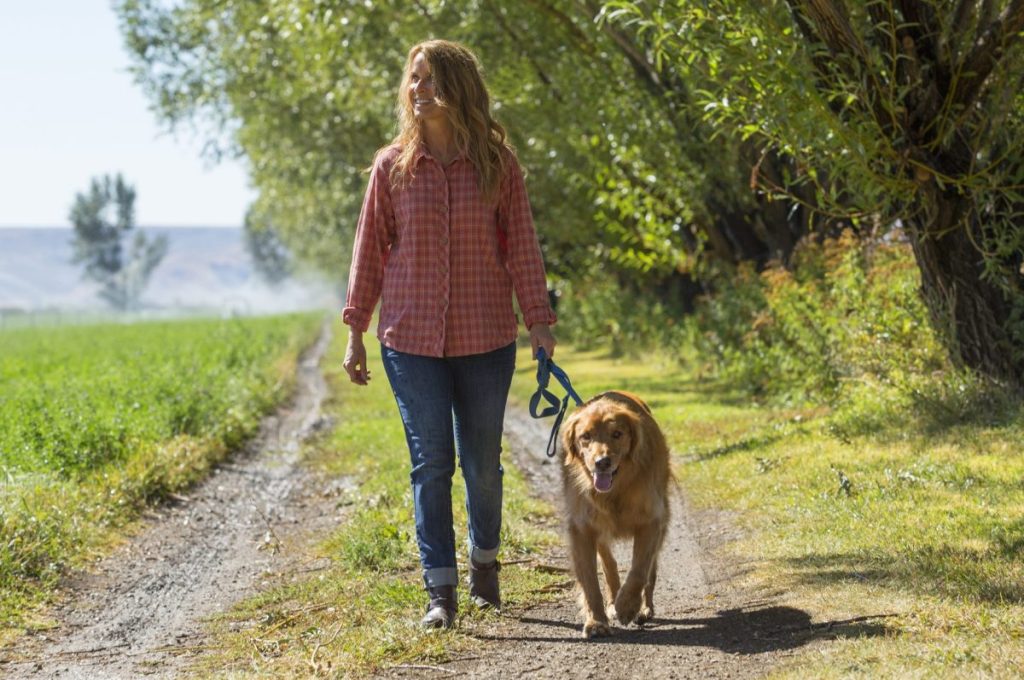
(441, 609)
(483, 584)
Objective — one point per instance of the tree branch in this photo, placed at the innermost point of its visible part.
(636, 58)
(922, 24)
(582, 39)
(828, 22)
(524, 49)
(987, 51)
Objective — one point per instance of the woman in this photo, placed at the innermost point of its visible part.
(444, 237)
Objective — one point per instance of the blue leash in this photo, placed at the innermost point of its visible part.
(545, 369)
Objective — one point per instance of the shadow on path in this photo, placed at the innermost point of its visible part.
(751, 630)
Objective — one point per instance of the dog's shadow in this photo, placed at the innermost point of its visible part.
(748, 630)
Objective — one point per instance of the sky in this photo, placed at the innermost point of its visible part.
(69, 112)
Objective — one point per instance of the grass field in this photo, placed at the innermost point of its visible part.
(902, 512)
(98, 421)
(916, 522)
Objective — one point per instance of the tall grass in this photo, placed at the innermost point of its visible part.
(98, 421)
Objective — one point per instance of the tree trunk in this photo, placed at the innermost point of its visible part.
(969, 312)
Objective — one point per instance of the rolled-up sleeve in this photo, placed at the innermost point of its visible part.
(374, 235)
(523, 256)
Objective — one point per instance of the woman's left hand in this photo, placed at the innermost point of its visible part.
(540, 336)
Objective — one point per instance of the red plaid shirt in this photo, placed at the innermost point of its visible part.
(443, 261)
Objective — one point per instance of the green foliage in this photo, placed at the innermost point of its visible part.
(667, 141)
(595, 312)
(98, 421)
(895, 114)
(848, 315)
(103, 220)
(78, 398)
(844, 323)
(617, 161)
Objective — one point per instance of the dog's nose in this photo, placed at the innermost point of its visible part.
(603, 464)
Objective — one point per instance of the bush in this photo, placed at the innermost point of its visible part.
(845, 314)
(844, 317)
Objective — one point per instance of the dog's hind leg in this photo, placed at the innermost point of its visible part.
(610, 568)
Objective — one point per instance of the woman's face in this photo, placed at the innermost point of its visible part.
(421, 90)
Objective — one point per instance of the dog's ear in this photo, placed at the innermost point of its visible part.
(569, 445)
(639, 444)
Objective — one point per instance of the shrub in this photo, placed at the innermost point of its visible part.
(844, 316)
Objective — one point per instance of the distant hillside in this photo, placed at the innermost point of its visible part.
(204, 267)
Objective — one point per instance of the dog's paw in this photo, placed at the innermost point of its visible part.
(645, 615)
(627, 606)
(593, 629)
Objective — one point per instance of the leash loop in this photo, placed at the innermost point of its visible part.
(545, 369)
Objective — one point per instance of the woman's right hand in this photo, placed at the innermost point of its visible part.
(355, 359)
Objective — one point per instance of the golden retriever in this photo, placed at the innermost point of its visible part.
(615, 475)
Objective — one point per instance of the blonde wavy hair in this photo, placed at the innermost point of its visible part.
(460, 91)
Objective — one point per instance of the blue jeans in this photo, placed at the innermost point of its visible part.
(451, 404)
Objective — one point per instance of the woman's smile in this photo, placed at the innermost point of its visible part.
(421, 89)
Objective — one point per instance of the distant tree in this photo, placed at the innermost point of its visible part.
(104, 219)
(270, 256)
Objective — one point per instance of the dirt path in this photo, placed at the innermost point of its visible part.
(141, 611)
(704, 628)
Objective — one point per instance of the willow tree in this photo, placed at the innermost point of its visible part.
(901, 113)
(626, 176)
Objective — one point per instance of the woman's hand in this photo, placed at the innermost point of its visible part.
(355, 359)
(540, 336)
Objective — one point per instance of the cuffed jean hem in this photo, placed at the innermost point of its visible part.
(440, 576)
(481, 556)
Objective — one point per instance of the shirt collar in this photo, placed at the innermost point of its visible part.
(423, 152)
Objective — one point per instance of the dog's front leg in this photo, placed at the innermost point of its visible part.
(583, 545)
(610, 568)
(646, 543)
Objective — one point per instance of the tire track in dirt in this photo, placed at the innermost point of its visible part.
(703, 628)
(141, 611)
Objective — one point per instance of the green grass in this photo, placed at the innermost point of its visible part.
(359, 614)
(911, 507)
(96, 422)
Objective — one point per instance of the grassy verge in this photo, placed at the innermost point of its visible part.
(359, 613)
(911, 519)
(96, 422)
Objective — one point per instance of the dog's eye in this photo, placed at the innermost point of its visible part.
(616, 434)
(585, 437)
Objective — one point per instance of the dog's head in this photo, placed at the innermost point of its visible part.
(606, 438)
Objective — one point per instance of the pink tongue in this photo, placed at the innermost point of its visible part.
(603, 481)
